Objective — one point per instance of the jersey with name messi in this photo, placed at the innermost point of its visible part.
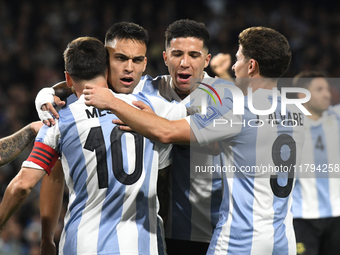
(111, 176)
(255, 214)
(317, 189)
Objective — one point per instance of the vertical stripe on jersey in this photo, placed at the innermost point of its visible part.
(108, 237)
(262, 209)
(297, 198)
(181, 215)
(79, 203)
(88, 229)
(320, 157)
(242, 222)
(113, 206)
(200, 196)
(69, 182)
(281, 205)
(216, 194)
(161, 246)
(221, 236)
(334, 158)
(305, 185)
(143, 206)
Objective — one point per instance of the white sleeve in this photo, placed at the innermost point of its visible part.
(169, 110)
(165, 155)
(45, 150)
(218, 124)
(336, 109)
(49, 136)
(44, 96)
(30, 164)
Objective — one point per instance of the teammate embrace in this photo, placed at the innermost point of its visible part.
(112, 171)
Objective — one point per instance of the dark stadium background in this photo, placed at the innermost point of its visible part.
(33, 35)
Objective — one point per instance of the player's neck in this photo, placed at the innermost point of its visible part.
(262, 83)
(79, 86)
(315, 114)
(184, 94)
(181, 94)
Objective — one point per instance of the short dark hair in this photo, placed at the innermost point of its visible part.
(269, 48)
(127, 30)
(304, 78)
(85, 58)
(187, 28)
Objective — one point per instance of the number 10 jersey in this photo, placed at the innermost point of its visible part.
(111, 175)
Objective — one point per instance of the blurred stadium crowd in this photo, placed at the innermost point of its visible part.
(34, 34)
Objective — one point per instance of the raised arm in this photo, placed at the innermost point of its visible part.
(221, 65)
(51, 198)
(148, 125)
(11, 146)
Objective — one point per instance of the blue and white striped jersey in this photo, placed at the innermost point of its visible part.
(194, 202)
(160, 86)
(111, 176)
(317, 194)
(255, 214)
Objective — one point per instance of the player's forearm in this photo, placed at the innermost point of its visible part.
(14, 196)
(61, 90)
(47, 247)
(151, 126)
(12, 146)
(51, 197)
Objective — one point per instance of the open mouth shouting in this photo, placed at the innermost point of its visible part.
(184, 77)
(127, 81)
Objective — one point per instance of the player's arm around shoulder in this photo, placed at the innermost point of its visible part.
(170, 126)
(13, 145)
(45, 99)
(149, 125)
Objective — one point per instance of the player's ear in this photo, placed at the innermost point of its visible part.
(253, 67)
(69, 80)
(145, 63)
(207, 60)
(165, 57)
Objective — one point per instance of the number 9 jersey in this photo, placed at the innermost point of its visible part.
(257, 159)
(111, 175)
